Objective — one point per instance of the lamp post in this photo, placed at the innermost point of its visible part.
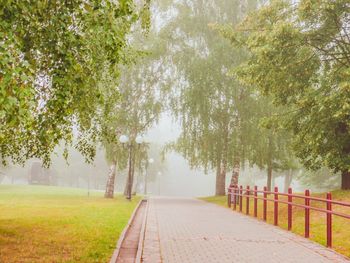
(124, 139)
(150, 161)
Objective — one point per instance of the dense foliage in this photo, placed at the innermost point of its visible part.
(300, 55)
(53, 56)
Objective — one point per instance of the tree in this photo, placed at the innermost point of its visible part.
(299, 54)
(270, 146)
(140, 104)
(53, 54)
(219, 116)
(207, 100)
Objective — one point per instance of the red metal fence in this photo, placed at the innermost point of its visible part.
(236, 195)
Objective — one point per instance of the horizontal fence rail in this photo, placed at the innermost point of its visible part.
(237, 193)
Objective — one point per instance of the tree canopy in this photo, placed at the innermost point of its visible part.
(299, 55)
(221, 118)
(53, 55)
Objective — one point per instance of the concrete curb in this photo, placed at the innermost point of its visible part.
(123, 234)
(142, 235)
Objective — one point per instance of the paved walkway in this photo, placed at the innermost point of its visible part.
(191, 231)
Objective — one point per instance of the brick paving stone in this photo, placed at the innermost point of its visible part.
(180, 230)
(151, 246)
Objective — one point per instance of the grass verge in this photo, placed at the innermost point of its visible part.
(51, 224)
(341, 226)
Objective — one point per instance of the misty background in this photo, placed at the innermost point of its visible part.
(176, 179)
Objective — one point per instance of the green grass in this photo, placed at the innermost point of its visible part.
(341, 226)
(51, 224)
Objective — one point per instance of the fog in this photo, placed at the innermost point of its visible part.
(176, 179)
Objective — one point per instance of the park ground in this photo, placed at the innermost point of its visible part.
(341, 227)
(51, 224)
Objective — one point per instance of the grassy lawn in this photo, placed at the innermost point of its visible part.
(341, 227)
(51, 224)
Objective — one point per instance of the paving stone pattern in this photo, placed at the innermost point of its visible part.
(151, 245)
(182, 230)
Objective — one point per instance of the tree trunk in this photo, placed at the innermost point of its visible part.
(269, 178)
(126, 187)
(220, 180)
(235, 175)
(133, 174)
(345, 180)
(109, 193)
(222, 164)
(235, 171)
(288, 180)
(127, 191)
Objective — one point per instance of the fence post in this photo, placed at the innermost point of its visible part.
(255, 201)
(240, 198)
(307, 213)
(329, 220)
(247, 200)
(265, 204)
(275, 221)
(290, 213)
(234, 197)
